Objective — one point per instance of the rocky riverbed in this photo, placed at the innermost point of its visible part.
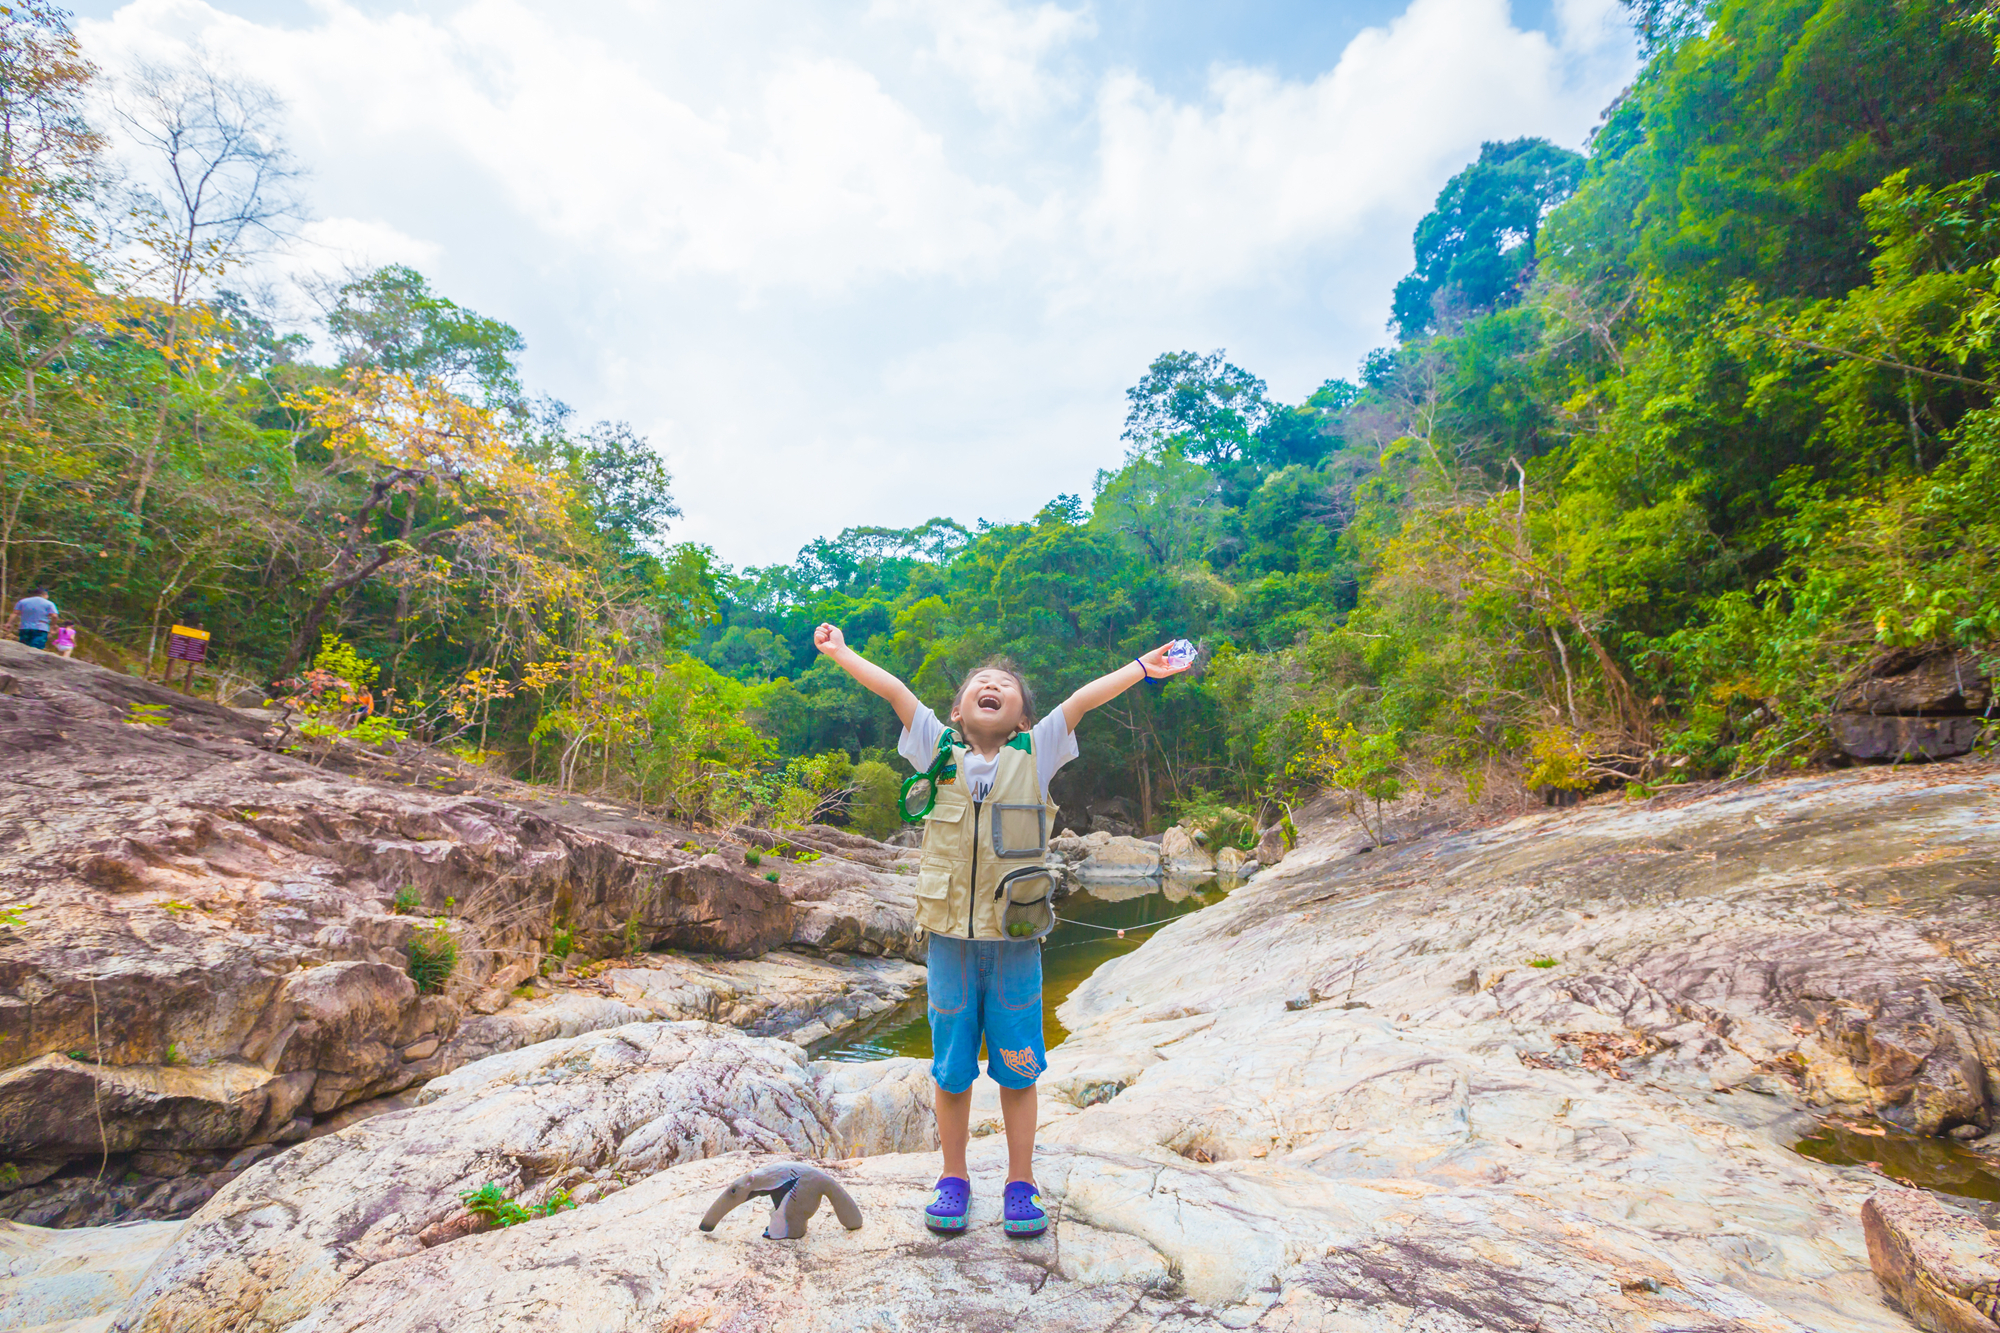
(205, 951)
(1546, 1075)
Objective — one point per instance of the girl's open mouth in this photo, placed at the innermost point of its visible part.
(990, 701)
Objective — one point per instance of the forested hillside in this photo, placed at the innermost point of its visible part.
(1674, 438)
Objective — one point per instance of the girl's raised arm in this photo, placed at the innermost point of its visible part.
(829, 640)
(1114, 683)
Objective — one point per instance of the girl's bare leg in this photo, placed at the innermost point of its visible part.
(1018, 1109)
(954, 1121)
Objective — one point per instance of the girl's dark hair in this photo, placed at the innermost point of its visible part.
(1006, 664)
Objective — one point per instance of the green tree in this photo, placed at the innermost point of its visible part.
(1475, 249)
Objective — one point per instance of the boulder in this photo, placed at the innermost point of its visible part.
(1271, 846)
(1103, 856)
(1911, 681)
(1866, 736)
(1937, 1265)
(1233, 863)
(717, 905)
(56, 1106)
(1181, 855)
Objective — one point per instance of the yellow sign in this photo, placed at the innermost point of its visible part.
(188, 632)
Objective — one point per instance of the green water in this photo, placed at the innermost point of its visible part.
(1943, 1165)
(1083, 941)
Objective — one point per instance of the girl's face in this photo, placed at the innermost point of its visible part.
(990, 703)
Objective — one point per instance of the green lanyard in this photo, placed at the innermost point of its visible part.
(929, 778)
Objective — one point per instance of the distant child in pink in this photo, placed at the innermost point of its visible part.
(63, 640)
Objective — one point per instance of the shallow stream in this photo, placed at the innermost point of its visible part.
(1943, 1166)
(1085, 938)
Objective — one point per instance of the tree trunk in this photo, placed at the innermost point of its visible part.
(1145, 792)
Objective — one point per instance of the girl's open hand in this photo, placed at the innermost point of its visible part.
(1158, 664)
(828, 639)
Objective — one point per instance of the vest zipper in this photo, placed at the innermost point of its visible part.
(972, 889)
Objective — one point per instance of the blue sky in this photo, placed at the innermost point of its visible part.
(866, 262)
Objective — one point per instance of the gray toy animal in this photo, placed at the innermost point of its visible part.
(795, 1190)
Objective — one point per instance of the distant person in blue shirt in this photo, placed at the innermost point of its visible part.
(36, 613)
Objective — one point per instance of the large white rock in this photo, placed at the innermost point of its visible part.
(73, 1279)
(1334, 1103)
(1180, 854)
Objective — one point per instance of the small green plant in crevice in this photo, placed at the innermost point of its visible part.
(11, 918)
(804, 857)
(631, 933)
(772, 876)
(491, 1205)
(563, 943)
(10, 1175)
(1541, 962)
(407, 901)
(433, 953)
(173, 1055)
(176, 906)
(148, 715)
(753, 857)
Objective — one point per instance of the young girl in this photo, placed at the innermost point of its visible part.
(991, 815)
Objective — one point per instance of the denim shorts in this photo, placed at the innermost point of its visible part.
(989, 988)
(35, 638)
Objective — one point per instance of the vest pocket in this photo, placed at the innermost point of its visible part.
(944, 835)
(1027, 903)
(933, 881)
(1019, 830)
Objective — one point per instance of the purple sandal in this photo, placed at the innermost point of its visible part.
(1025, 1218)
(949, 1204)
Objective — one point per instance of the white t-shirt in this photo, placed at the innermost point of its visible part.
(1054, 747)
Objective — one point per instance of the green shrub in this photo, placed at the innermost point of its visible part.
(753, 857)
(338, 657)
(433, 956)
(490, 1203)
(1541, 962)
(563, 944)
(173, 1055)
(407, 901)
(1216, 825)
(773, 877)
(872, 808)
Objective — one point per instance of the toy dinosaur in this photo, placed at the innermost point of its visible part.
(795, 1190)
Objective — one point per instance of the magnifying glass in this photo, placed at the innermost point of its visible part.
(918, 795)
(922, 788)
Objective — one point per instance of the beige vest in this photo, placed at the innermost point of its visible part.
(969, 847)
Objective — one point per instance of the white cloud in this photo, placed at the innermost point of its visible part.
(779, 242)
(1225, 192)
(997, 49)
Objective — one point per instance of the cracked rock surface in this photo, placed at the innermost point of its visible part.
(1342, 1100)
(210, 957)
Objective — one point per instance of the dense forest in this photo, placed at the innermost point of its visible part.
(1673, 439)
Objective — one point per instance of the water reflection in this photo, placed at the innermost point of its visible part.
(1082, 942)
(1942, 1165)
